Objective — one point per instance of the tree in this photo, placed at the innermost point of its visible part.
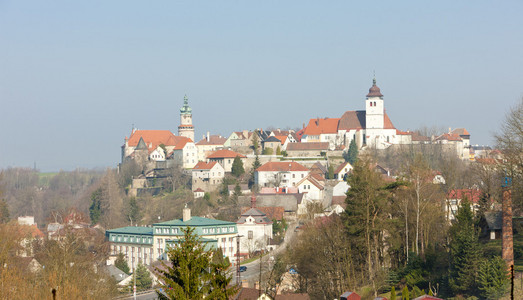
(465, 252)
(267, 151)
(393, 293)
(255, 142)
(133, 211)
(366, 216)
(510, 142)
(492, 278)
(405, 295)
(255, 165)
(143, 278)
(121, 263)
(330, 174)
(278, 151)
(351, 155)
(4, 211)
(95, 210)
(188, 276)
(237, 167)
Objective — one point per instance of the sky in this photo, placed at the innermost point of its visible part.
(76, 76)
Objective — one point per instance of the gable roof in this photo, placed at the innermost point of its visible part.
(225, 154)
(460, 131)
(312, 180)
(341, 167)
(281, 166)
(357, 120)
(472, 195)
(259, 217)
(204, 166)
(180, 142)
(272, 139)
(154, 137)
(213, 140)
(308, 146)
(282, 138)
(322, 126)
(195, 221)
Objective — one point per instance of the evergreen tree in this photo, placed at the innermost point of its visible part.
(143, 278)
(493, 281)
(95, 210)
(393, 293)
(4, 211)
(188, 277)
(133, 211)
(465, 252)
(121, 263)
(255, 142)
(255, 165)
(237, 167)
(405, 295)
(278, 151)
(351, 155)
(330, 174)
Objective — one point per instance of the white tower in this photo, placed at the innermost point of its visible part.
(186, 128)
(374, 108)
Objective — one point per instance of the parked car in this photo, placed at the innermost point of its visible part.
(243, 268)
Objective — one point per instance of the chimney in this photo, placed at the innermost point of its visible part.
(186, 213)
(208, 136)
(246, 134)
(253, 201)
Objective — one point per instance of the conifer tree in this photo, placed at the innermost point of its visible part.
(492, 278)
(393, 293)
(351, 155)
(121, 263)
(405, 295)
(188, 277)
(465, 252)
(237, 167)
(143, 278)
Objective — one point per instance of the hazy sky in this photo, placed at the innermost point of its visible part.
(75, 75)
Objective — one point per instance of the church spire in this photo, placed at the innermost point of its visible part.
(186, 109)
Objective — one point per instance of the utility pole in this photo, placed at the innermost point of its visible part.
(238, 276)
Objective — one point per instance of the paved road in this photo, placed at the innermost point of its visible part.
(147, 296)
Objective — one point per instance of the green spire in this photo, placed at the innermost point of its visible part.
(185, 108)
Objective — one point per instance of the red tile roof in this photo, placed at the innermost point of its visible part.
(449, 137)
(225, 154)
(180, 142)
(282, 166)
(199, 190)
(204, 166)
(282, 138)
(273, 213)
(322, 126)
(342, 166)
(308, 146)
(154, 137)
(460, 131)
(472, 195)
(314, 182)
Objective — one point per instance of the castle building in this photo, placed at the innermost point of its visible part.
(186, 128)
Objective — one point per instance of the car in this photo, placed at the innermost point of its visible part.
(243, 268)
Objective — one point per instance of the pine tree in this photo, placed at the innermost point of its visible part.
(95, 210)
(143, 278)
(278, 151)
(330, 174)
(121, 263)
(393, 293)
(237, 167)
(465, 252)
(255, 165)
(405, 295)
(492, 278)
(188, 277)
(351, 155)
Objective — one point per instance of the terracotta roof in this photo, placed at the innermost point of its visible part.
(416, 136)
(399, 132)
(277, 166)
(273, 213)
(180, 142)
(449, 137)
(340, 167)
(204, 166)
(213, 140)
(225, 154)
(282, 138)
(292, 297)
(322, 126)
(460, 131)
(278, 190)
(317, 176)
(374, 90)
(472, 195)
(154, 137)
(308, 146)
(246, 294)
(387, 123)
(198, 190)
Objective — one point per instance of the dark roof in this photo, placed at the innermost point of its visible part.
(352, 120)
(374, 90)
(132, 230)
(272, 139)
(259, 217)
(494, 219)
(141, 145)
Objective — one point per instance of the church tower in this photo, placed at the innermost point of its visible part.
(374, 108)
(186, 128)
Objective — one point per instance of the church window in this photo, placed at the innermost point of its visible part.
(374, 103)
(371, 104)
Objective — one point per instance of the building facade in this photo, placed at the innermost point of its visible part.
(151, 243)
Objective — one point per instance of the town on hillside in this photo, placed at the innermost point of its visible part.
(348, 207)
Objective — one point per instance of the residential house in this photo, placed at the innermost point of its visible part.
(198, 193)
(255, 227)
(272, 143)
(184, 152)
(148, 244)
(350, 296)
(226, 158)
(280, 174)
(454, 198)
(342, 170)
(207, 176)
(209, 144)
(313, 187)
(322, 130)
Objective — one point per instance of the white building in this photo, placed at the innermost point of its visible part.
(280, 174)
(255, 228)
(212, 173)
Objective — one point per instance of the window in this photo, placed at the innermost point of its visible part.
(293, 175)
(231, 229)
(212, 230)
(230, 239)
(205, 230)
(250, 234)
(230, 249)
(301, 175)
(224, 240)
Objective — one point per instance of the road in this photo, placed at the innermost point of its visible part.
(253, 268)
(151, 295)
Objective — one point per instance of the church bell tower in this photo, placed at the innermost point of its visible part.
(374, 108)
(186, 128)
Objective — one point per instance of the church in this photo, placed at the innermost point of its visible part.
(371, 127)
